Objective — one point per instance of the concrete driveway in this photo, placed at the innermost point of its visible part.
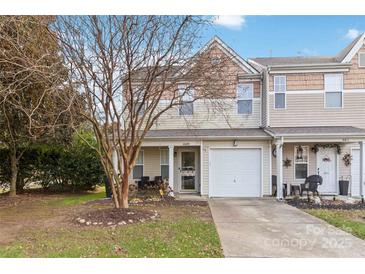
(267, 228)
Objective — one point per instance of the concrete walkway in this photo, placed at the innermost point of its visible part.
(267, 228)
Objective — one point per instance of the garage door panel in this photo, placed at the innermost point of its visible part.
(235, 172)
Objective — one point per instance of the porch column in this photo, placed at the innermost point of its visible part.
(279, 168)
(115, 160)
(362, 160)
(171, 166)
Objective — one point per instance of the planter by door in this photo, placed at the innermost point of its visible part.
(327, 168)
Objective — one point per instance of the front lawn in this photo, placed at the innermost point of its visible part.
(352, 221)
(43, 226)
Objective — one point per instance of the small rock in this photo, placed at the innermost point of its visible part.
(88, 223)
(130, 221)
(78, 219)
(82, 221)
(95, 223)
(100, 223)
(121, 223)
(317, 200)
(109, 223)
(350, 201)
(130, 213)
(153, 217)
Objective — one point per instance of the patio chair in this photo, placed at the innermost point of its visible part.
(142, 184)
(311, 185)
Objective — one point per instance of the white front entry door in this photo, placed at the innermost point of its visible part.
(188, 167)
(235, 172)
(327, 168)
(355, 173)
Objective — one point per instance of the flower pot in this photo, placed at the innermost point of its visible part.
(344, 187)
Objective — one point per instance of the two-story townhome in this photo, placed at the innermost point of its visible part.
(290, 118)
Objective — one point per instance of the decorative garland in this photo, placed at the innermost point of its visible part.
(317, 146)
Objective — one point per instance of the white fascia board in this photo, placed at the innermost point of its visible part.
(284, 71)
(354, 50)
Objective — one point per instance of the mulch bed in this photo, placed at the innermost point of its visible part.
(114, 217)
(326, 204)
(168, 201)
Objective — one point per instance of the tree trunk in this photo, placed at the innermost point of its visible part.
(125, 189)
(14, 172)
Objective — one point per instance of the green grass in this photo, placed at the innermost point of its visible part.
(77, 199)
(349, 221)
(187, 237)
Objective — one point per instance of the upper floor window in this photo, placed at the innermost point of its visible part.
(279, 91)
(362, 59)
(244, 98)
(138, 100)
(333, 87)
(187, 97)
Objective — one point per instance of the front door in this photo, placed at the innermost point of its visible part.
(327, 168)
(187, 171)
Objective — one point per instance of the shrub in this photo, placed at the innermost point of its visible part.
(58, 168)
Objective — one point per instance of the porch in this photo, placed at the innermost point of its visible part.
(334, 153)
(178, 165)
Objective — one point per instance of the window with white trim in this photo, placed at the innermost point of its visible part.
(164, 163)
(362, 59)
(333, 86)
(244, 98)
(187, 97)
(138, 93)
(138, 168)
(301, 154)
(279, 92)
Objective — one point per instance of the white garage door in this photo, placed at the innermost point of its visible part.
(235, 172)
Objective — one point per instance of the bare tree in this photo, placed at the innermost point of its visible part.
(128, 70)
(30, 71)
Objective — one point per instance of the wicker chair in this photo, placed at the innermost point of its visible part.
(311, 184)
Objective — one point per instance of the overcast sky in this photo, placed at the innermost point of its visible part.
(261, 36)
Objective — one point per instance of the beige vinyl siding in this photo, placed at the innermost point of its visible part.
(151, 163)
(288, 153)
(209, 114)
(308, 110)
(240, 144)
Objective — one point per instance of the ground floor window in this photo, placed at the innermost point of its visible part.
(301, 162)
(138, 168)
(164, 163)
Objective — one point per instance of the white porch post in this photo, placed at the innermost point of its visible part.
(279, 168)
(362, 160)
(171, 166)
(115, 161)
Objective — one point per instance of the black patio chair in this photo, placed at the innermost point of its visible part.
(311, 184)
(143, 183)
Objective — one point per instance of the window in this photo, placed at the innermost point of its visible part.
(301, 162)
(138, 168)
(187, 97)
(244, 98)
(138, 94)
(362, 59)
(164, 162)
(279, 91)
(333, 86)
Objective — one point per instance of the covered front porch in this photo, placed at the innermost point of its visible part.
(174, 162)
(336, 154)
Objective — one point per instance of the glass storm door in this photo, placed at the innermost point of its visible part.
(187, 171)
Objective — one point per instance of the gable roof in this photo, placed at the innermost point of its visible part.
(230, 52)
(343, 57)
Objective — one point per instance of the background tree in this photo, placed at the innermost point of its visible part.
(127, 70)
(31, 72)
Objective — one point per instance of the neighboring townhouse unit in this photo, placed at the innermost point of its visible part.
(290, 118)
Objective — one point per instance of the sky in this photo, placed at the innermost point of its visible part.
(263, 36)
